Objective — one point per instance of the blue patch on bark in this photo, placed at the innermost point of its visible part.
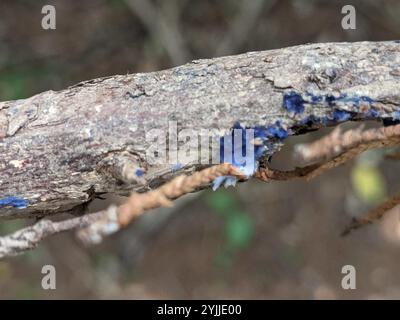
(341, 115)
(372, 113)
(139, 172)
(276, 131)
(261, 135)
(393, 120)
(176, 167)
(297, 103)
(14, 202)
(293, 102)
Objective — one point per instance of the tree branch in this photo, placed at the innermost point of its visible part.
(60, 150)
(94, 227)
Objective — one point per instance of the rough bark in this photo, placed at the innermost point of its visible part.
(61, 149)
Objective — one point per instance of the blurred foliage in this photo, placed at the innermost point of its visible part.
(239, 230)
(13, 85)
(368, 183)
(5, 271)
(238, 225)
(11, 226)
(17, 82)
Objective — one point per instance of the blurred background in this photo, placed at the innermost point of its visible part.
(256, 241)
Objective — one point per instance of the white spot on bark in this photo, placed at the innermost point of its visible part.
(17, 163)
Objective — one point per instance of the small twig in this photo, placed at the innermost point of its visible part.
(351, 142)
(117, 218)
(93, 227)
(335, 149)
(373, 215)
(163, 30)
(338, 148)
(393, 156)
(267, 174)
(28, 238)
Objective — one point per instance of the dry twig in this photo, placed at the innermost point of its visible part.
(393, 156)
(373, 216)
(93, 227)
(117, 218)
(340, 147)
(336, 149)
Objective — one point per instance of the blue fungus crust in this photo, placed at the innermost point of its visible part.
(312, 120)
(14, 202)
(351, 100)
(341, 115)
(396, 115)
(177, 166)
(394, 119)
(344, 107)
(293, 102)
(296, 102)
(331, 100)
(139, 173)
(372, 113)
(277, 131)
(261, 135)
(309, 120)
(316, 99)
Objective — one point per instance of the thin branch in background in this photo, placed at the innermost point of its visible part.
(381, 14)
(163, 29)
(28, 238)
(267, 174)
(353, 141)
(247, 17)
(333, 150)
(373, 215)
(393, 156)
(349, 145)
(323, 148)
